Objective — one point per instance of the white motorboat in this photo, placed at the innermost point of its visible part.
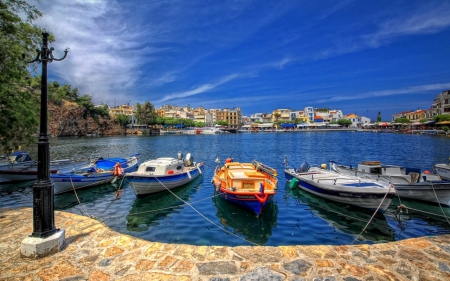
(443, 170)
(409, 182)
(361, 192)
(164, 173)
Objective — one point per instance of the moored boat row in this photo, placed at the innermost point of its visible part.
(251, 185)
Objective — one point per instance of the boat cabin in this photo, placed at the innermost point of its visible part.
(162, 166)
(244, 177)
(375, 167)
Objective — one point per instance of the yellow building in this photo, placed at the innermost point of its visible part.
(416, 115)
(124, 109)
(232, 116)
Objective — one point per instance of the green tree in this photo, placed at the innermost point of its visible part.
(18, 111)
(344, 122)
(86, 102)
(441, 117)
(402, 120)
(379, 117)
(101, 110)
(222, 123)
(146, 113)
(123, 119)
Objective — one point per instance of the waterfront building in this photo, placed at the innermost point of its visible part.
(199, 115)
(357, 121)
(442, 102)
(232, 116)
(309, 113)
(281, 115)
(415, 115)
(125, 109)
(335, 115)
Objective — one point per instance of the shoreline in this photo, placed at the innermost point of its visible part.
(92, 251)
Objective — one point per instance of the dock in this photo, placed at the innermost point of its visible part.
(92, 251)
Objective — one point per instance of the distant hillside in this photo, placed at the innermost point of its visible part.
(70, 119)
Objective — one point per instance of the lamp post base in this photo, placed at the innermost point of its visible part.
(35, 248)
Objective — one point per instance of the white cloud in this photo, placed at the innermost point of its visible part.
(384, 93)
(198, 90)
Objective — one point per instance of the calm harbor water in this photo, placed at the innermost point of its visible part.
(202, 218)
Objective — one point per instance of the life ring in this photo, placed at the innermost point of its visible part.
(118, 170)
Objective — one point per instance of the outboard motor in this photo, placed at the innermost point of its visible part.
(304, 167)
(189, 160)
(180, 156)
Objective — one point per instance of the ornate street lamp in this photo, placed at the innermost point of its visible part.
(43, 194)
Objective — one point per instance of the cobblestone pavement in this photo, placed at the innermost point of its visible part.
(92, 251)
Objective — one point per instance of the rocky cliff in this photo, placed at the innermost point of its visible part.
(69, 119)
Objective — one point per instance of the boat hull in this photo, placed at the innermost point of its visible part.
(66, 182)
(249, 201)
(443, 170)
(435, 192)
(371, 196)
(148, 184)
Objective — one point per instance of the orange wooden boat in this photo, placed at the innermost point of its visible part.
(250, 185)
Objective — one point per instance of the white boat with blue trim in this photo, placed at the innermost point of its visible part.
(409, 183)
(101, 171)
(364, 193)
(164, 173)
(443, 170)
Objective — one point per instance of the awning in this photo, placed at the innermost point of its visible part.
(287, 125)
(443, 123)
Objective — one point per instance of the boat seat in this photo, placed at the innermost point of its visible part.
(254, 174)
(414, 177)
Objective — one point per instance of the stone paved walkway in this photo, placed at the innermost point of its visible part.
(94, 252)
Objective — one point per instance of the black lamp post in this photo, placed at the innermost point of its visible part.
(43, 194)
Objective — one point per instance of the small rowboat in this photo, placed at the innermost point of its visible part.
(250, 185)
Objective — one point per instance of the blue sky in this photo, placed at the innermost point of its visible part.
(361, 57)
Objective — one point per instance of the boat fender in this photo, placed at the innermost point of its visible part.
(293, 183)
(118, 170)
(170, 172)
(189, 174)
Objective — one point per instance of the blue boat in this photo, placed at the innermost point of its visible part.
(101, 171)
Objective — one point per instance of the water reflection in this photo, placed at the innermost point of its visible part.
(345, 218)
(148, 210)
(240, 221)
(88, 196)
(418, 219)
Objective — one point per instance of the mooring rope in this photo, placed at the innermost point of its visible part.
(381, 203)
(439, 203)
(401, 206)
(162, 209)
(78, 199)
(210, 221)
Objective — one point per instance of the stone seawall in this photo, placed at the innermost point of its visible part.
(92, 251)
